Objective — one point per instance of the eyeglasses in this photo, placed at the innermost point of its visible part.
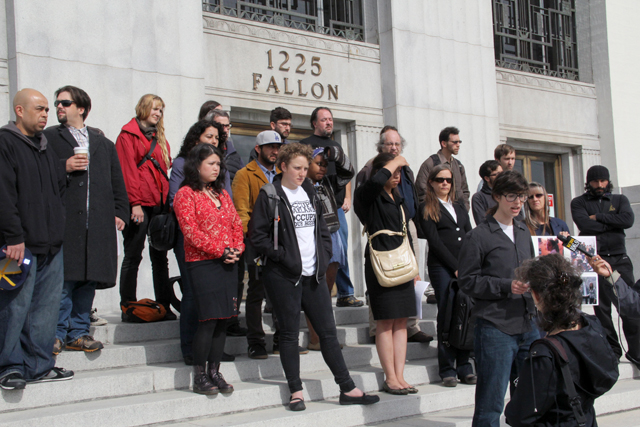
(537, 196)
(440, 180)
(65, 102)
(511, 197)
(392, 144)
(456, 142)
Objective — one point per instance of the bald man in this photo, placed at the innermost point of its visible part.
(32, 182)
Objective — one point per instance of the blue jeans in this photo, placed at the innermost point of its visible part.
(28, 318)
(188, 312)
(75, 310)
(343, 281)
(451, 361)
(496, 352)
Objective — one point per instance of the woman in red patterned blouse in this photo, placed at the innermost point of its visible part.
(213, 242)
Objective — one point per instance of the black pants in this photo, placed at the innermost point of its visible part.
(208, 342)
(255, 296)
(631, 328)
(134, 238)
(314, 299)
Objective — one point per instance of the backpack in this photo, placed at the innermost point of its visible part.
(144, 311)
(436, 161)
(458, 320)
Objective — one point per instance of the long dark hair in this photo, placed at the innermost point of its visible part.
(192, 165)
(192, 138)
(505, 183)
(558, 285)
(432, 205)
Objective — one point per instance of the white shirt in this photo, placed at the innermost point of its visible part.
(304, 220)
(449, 207)
(508, 230)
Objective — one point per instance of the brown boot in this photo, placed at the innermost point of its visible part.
(201, 382)
(218, 380)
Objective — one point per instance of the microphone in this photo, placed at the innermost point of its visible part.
(575, 245)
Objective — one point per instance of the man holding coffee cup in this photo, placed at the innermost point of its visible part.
(97, 205)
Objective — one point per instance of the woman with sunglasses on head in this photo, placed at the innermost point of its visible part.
(504, 309)
(145, 176)
(537, 216)
(379, 206)
(201, 132)
(294, 271)
(445, 221)
(213, 243)
(542, 397)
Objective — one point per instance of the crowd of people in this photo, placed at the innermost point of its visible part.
(281, 217)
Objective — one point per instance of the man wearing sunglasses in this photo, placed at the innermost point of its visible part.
(598, 212)
(449, 145)
(97, 204)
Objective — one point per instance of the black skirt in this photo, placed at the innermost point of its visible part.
(215, 288)
(389, 303)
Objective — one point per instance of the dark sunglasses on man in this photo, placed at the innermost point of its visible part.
(65, 102)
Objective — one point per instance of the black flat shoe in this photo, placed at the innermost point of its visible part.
(365, 399)
(297, 404)
(397, 391)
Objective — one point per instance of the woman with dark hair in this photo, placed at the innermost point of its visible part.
(504, 312)
(379, 206)
(147, 184)
(294, 271)
(201, 132)
(537, 216)
(213, 241)
(445, 221)
(544, 400)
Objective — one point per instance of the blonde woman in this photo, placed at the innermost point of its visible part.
(537, 217)
(145, 176)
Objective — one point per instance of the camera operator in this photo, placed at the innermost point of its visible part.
(628, 299)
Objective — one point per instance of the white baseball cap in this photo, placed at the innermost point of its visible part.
(268, 137)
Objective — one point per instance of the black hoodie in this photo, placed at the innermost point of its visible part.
(32, 182)
(543, 400)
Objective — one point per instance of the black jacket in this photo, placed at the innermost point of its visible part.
(487, 262)
(377, 211)
(481, 202)
(32, 185)
(232, 160)
(445, 236)
(613, 215)
(286, 262)
(333, 184)
(316, 141)
(541, 398)
(91, 253)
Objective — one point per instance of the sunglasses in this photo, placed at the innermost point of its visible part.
(537, 196)
(64, 102)
(440, 180)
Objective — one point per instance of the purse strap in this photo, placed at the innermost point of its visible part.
(389, 232)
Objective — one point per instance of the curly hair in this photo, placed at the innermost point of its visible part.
(432, 205)
(557, 285)
(196, 156)
(192, 138)
(289, 152)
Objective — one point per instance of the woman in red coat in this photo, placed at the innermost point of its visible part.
(147, 187)
(213, 243)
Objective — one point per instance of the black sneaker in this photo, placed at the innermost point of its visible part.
(235, 330)
(257, 351)
(14, 381)
(228, 357)
(349, 301)
(55, 374)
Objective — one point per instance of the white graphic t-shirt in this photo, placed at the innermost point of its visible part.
(304, 220)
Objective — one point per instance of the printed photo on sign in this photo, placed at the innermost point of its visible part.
(578, 259)
(544, 245)
(590, 289)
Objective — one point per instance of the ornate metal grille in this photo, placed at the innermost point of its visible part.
(537, 36)
(340, 18)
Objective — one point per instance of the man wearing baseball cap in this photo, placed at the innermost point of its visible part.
(600, 213)
(246, 187)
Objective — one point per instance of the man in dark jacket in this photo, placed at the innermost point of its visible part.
(392, 142)
(483, 200)
(600, 213)
(32, 184)
(322, 124)
(95, 196)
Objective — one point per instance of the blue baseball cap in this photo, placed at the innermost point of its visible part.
(13, 276)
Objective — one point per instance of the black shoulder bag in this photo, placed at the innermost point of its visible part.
(163, 228)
